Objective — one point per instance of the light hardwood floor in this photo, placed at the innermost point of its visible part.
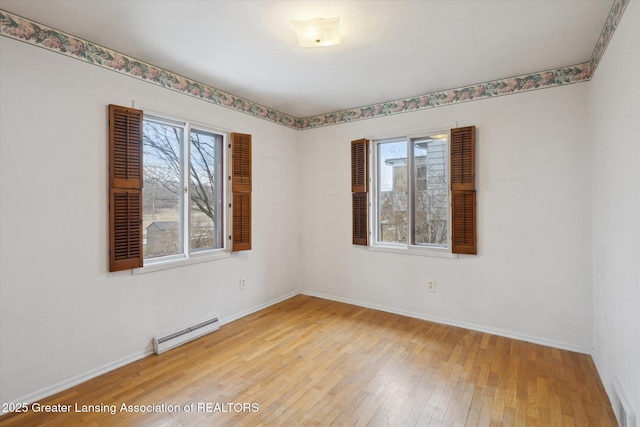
(309, 361)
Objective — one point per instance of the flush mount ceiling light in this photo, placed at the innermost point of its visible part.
(318, 32)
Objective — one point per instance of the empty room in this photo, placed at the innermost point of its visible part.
(287, 213)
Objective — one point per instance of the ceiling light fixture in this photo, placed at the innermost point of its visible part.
(318, 32)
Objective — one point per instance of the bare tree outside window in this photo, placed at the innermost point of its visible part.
(392, 183)
(206, 183)
(430, 192)
(162, 148)
(413, 191)
(164, 189)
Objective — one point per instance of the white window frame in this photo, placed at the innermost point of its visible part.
(187, 257)
(408, 247)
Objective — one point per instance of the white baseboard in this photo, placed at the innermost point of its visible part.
(79, 379)
(258, 307)
(445, 321)
(605, 379)
(615, 393)
(86, 376)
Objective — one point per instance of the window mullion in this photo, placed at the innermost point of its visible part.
(375, 217)
(410, 193)
(373, 193)
(227, 195)
(186, 189)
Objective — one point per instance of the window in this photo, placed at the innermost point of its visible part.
(183, 188)
(412, 191)
(169, 195)
(424, 193)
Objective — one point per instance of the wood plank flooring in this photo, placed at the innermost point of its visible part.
(309, 361)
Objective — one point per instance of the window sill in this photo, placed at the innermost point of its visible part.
(174, 263)
(414, 250)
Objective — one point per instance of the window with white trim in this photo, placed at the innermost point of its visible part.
(191, 174)
(184, 189)
(411, 191)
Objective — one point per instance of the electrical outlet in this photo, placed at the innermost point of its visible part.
(431, 285)
(243, 283)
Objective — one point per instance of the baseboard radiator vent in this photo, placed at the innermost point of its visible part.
(168, 342)
(622, 407)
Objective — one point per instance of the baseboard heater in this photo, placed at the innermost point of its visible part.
(168, 342)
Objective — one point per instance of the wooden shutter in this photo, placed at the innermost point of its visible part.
(360, 166)
(463, 194)
(360, 218)
(241, 188)
(360, 191)
(125, 188)
(463, 157)
(463, 212)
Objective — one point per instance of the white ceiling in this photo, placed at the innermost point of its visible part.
(390, 49)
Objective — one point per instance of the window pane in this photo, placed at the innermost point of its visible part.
(162, 189)
(206, 186)
(392, 191)
(430, 195)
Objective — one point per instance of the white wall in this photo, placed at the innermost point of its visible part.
(61, 314)
(532, 276)
(546, 160)
(615, 114)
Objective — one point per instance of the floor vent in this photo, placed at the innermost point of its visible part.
(621, 406)
(168, 342)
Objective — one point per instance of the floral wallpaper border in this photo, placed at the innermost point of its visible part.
(524, 83)
(617, 9)
(31, 32)
(25, 30)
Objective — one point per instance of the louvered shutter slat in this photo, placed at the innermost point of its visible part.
(359, 166)
(127, 229)
(125, 136)
(241, 177)
(360, 218)
(464, 215)
(463, 195)
(359, 189)
(241, 162)
(463, 158)
(125, 182)
(241, 221)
